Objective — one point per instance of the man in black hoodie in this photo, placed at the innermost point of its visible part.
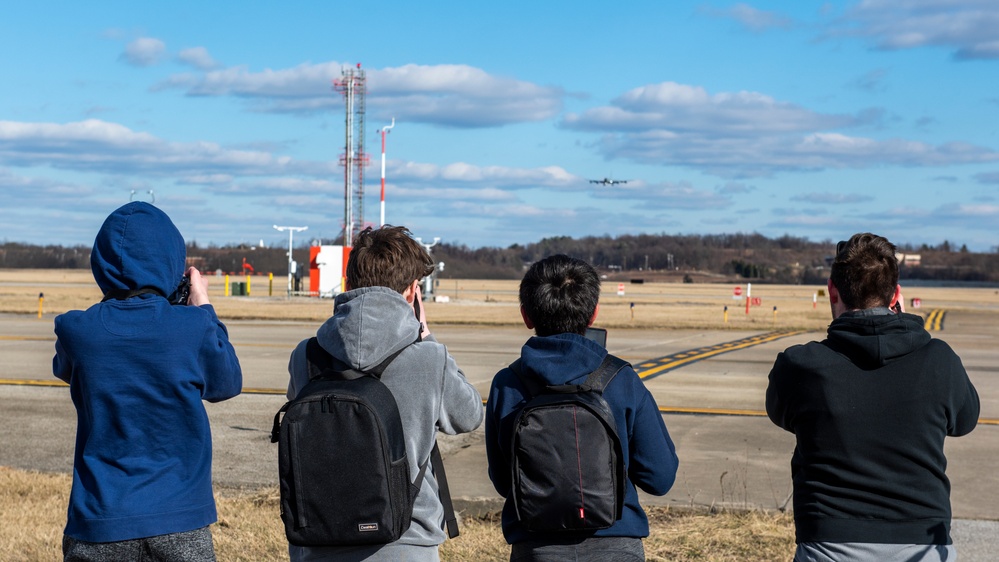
(869, 407)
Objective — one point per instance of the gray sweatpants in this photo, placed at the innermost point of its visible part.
(593, 549)
(189, 546)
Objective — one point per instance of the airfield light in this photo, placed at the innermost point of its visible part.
(291, 234)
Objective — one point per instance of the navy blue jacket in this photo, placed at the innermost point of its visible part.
(138, 370)
(650, 458)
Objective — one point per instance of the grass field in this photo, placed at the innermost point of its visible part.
(480, 302)
(33, 514)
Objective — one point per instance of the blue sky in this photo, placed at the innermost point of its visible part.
(814, 120)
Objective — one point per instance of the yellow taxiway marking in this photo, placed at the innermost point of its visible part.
(755, 413)
(274, 391)
(934, 320)
(662, 409)
(31, 382)
(656, 367)
(711, 411)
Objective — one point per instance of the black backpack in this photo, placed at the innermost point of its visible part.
(342, 463)
(567, 465)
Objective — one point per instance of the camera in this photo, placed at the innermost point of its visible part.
(182, 293)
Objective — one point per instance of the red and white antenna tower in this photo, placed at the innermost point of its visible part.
(353, 85)
(385, 131)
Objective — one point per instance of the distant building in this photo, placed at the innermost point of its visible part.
(908, 260)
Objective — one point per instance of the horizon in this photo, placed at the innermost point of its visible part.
(813, 121)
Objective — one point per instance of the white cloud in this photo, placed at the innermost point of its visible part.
(281, 185)
(988, 178)
(833, 198)
(672, 108)
(144, 51)
(197, 57)
(95, 145)
(734, 188)
(444, 194)
(448, 95)
(207, 179)
(24, 191)
(751, 18)
(461, 172)
(667, 195)
(969, 27)
(747, 134)
(873, 81)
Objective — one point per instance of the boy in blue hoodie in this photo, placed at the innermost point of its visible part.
(559, 299)
(139, 369)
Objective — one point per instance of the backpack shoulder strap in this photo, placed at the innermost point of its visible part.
(125, 294)
(443, 490)
(605, 373)
(318, 359)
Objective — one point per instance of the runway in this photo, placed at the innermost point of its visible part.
(730, 453)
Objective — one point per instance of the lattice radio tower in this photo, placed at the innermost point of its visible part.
(353, 85)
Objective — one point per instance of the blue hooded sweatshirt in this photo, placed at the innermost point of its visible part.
(650, 458)
(138, 370)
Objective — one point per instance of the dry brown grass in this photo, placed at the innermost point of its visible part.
(33, 514)
(494, 303)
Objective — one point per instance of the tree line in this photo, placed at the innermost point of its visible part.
(701, 257)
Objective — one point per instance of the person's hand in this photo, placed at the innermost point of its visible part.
(199, 287)
(899, 305)
(420, 311)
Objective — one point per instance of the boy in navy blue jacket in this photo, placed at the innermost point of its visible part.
(138, 369)
(559, 300)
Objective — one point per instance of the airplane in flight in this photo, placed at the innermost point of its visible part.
(608, 181)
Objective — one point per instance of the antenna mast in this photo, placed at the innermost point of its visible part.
(353, 85)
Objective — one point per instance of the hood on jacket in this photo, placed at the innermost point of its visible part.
(367, 326)
(138, 246)
(873, 341)
(561, 359)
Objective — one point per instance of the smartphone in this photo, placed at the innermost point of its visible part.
(416, 306)
(598, 335)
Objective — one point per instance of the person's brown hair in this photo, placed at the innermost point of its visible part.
(387, 257)
(865, 271)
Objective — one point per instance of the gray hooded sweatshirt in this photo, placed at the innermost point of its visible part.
(367, 326)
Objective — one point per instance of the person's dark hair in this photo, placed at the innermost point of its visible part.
(387, 257)
(559, 295)
(865, 271)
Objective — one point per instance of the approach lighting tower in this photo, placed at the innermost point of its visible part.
(353, 86)
(291, 236)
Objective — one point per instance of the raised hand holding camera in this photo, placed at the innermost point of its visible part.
(198, 287)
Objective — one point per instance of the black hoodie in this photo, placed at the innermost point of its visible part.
(870, 406)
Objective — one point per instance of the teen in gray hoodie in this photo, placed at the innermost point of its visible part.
(375, 318)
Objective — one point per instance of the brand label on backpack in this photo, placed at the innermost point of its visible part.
(367, 527)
